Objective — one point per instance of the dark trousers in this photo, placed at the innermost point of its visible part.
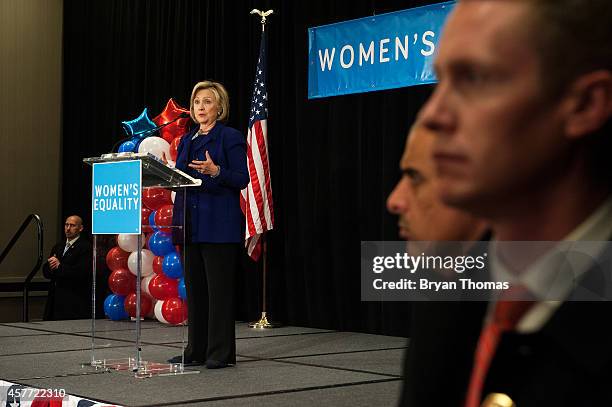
(210, 284)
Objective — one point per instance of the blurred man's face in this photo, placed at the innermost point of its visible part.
(497, 137)
(73, 227)
(422, 216)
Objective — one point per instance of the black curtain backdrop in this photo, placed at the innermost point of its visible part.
(333, 160)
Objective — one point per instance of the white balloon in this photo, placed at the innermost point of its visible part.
(158, 312)
(156, 146)
(144, 285)
(146, 265)
(129, 243)
(173, 196)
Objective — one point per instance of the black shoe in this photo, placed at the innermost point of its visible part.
(186, 362)
(214, 364)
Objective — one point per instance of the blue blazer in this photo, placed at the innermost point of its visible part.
(214, 207)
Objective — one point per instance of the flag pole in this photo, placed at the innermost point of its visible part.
(263, 322)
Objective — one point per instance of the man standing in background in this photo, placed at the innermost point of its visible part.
(69, 268)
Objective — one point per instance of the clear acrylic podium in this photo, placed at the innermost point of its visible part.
(122, 345)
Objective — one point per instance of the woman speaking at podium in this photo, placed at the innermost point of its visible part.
(214, 226)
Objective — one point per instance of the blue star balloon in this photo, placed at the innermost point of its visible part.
(139, 126)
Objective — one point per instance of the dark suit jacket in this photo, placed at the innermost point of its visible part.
(214, 208)
(70, 289)
(440, 353)
(568, 362)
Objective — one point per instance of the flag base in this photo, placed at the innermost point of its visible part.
(263, 323)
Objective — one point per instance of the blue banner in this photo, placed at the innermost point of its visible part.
(374, 53)
(116, 197)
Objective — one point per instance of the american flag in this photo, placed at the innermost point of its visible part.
(256, 198)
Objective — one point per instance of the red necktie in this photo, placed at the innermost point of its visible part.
(505, 317)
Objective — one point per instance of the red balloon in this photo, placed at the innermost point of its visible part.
(174, 147)
(174, 311)
(146, 305)
(155, 198)
(157, 264)
(117, 258)
(162, 287)
(145, 219)
(163, 217)
(178, 128)
(122, 282)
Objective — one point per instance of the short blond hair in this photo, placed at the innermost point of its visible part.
(221, 97)
(583, 27)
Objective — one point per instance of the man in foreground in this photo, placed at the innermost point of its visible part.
(521, 117)
(423, 217)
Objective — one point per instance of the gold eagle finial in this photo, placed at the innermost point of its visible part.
(262, 14)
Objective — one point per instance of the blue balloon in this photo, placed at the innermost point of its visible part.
(114, 308)
(127, 147)
(136, 142)
(107, 303)
(171, 266)
(139, 127)
(160, 243)
(152, 222)
(182, 291)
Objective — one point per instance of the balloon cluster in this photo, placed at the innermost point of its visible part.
(163, 293)
(163, 286)
(141, 130)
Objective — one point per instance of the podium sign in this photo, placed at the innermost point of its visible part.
(116, 199)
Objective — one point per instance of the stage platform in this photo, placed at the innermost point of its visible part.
(288, 366)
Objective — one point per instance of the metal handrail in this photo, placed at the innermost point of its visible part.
(9, 246)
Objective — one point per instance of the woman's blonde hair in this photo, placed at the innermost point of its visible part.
(220, 95)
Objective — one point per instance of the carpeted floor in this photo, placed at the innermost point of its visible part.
(288, 366)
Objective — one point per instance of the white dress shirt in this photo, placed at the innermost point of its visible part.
(70, 243)
(540, 278)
